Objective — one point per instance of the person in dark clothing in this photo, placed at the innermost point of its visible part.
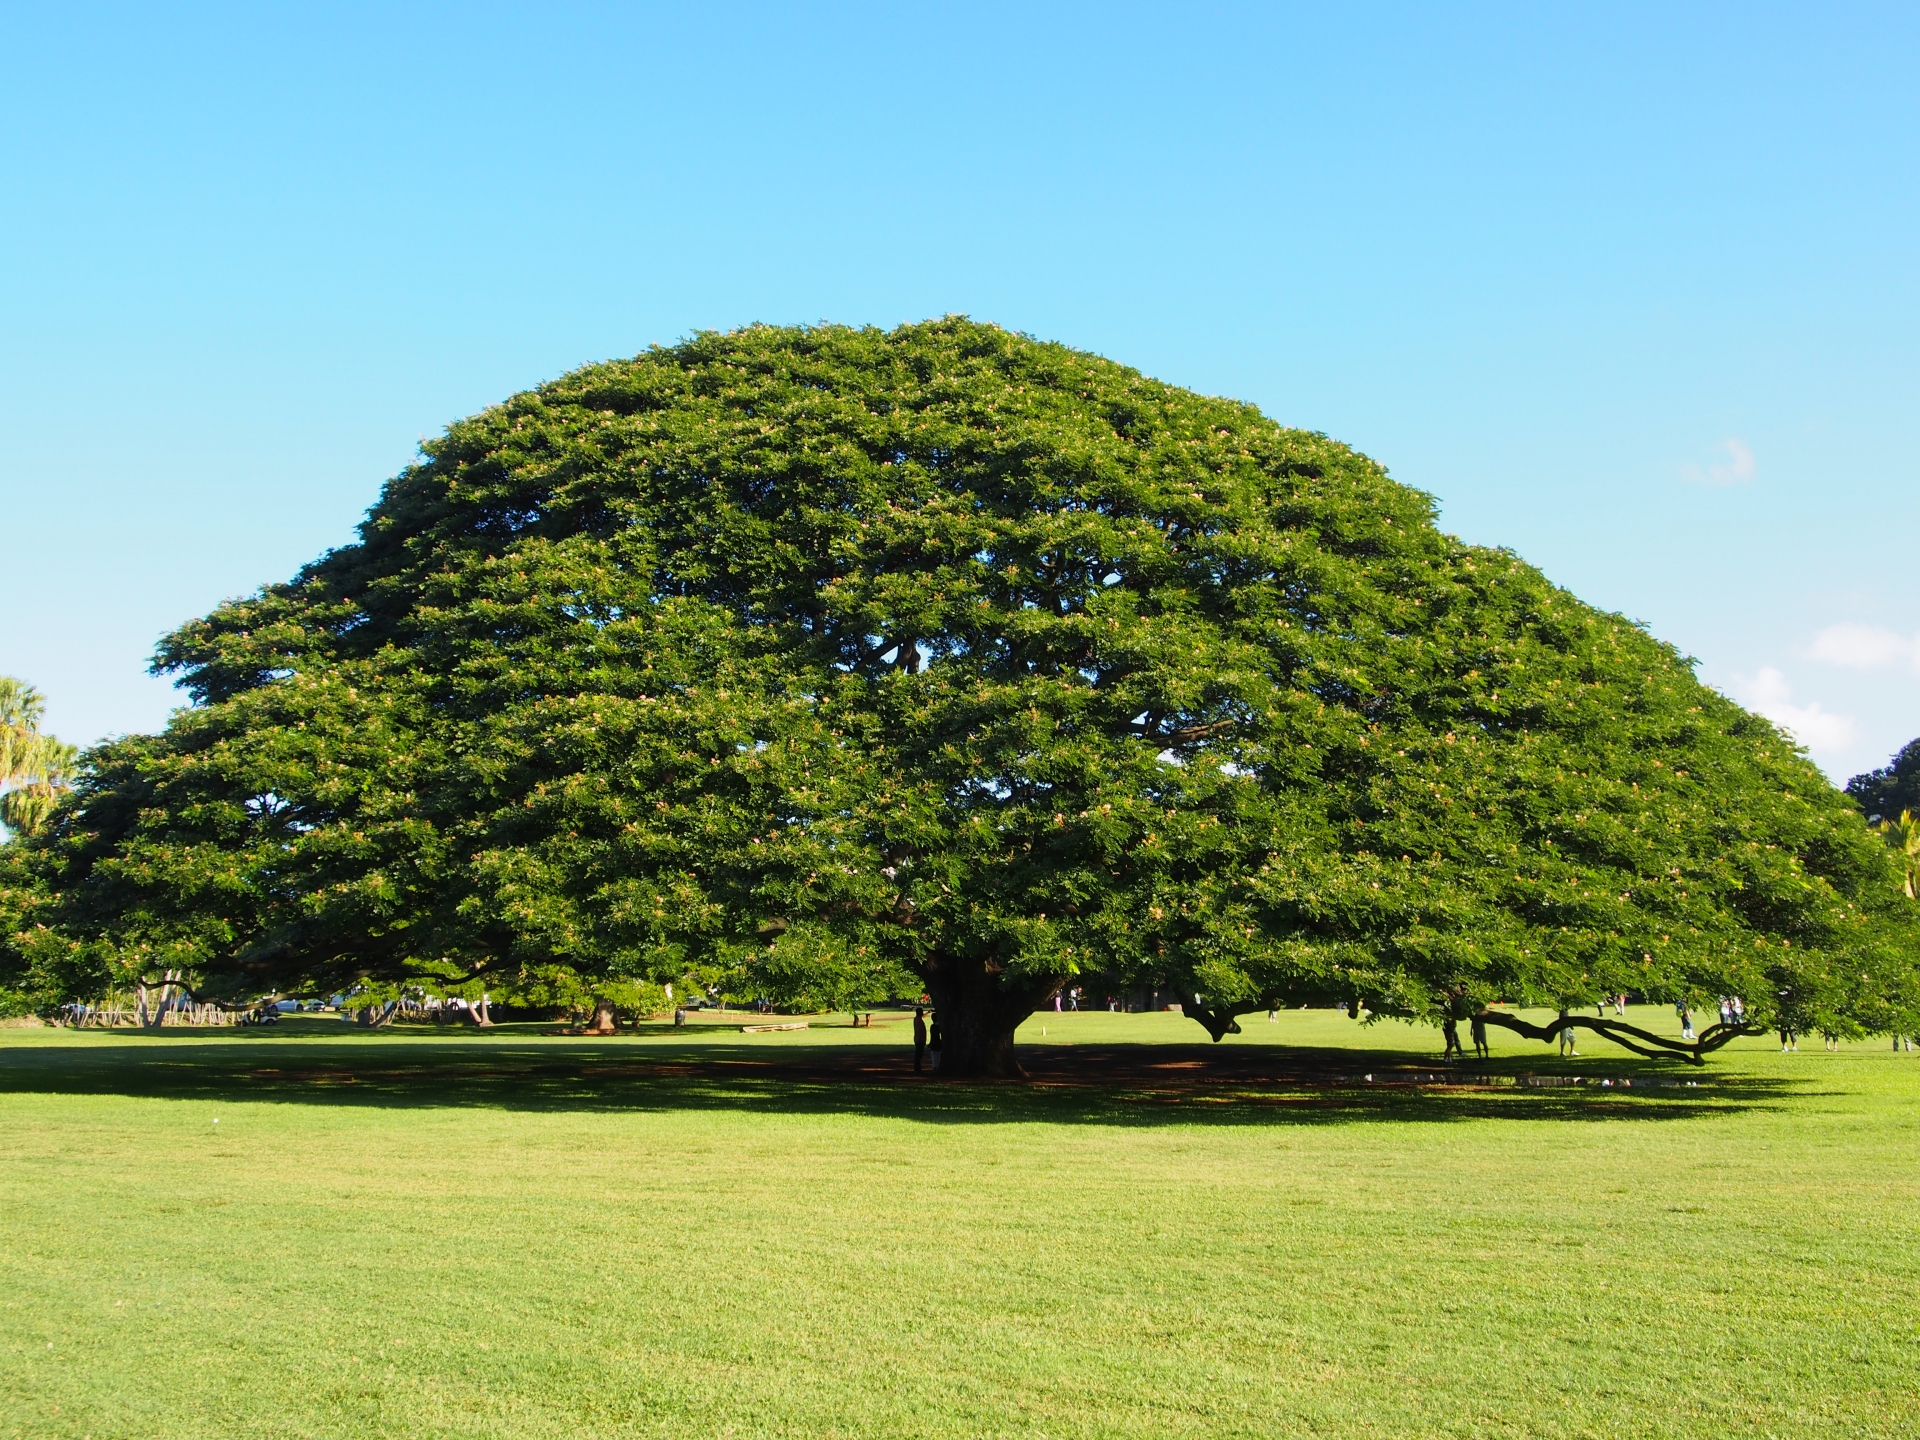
(919, 1038)
(933, 1043)
(1450, 1027)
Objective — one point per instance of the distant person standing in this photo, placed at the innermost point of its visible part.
(1478, 1025)
(919, 1038)
(1450, 1028)
(1566, 1041)
(933, 1044)
(1686, 1021)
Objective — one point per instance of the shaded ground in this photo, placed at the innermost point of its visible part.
(836, 1069)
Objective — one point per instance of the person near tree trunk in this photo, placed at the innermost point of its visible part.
(919, 1038)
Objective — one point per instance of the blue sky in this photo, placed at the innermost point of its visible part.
(1631, 291)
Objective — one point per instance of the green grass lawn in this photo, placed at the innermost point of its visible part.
(706, 1234)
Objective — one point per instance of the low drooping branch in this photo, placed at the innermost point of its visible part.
(1218, 1020)
(1642, 1042)
(212, 1000)
(1223, 1019)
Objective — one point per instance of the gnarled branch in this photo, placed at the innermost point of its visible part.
(1642, 1042)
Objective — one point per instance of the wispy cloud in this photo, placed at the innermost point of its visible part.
(1735, 467)
(1769, 694)
(1866, 647)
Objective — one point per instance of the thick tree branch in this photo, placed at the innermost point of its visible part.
(1218, 1020)
(1643, 1042)
(1187, 734)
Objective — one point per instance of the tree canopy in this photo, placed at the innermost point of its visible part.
(946, 657)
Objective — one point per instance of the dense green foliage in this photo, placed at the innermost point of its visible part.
(942, 651)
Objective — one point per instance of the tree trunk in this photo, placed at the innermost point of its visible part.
(977, 1011)
(152, 1017)
(602, 1023)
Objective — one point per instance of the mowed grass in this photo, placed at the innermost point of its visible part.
(713, 1234)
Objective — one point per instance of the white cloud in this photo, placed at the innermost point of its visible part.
(1769, 694)
(1866, 647)
(1735, 469)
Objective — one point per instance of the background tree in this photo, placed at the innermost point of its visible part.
(22, 707)
(1882, 794)
(967, 655)
(35, 768)
(45, 775)
(813, 966)
(36, 771)
(1903, 836)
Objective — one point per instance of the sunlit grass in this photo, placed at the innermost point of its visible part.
(704, 1233)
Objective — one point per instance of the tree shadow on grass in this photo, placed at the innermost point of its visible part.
(516, 1069)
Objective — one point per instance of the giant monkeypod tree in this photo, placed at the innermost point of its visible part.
(948, 652)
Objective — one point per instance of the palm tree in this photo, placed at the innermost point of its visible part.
(21, 707)
(20, 703)
(45, 776)
(35, 768)
(1904, 835)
